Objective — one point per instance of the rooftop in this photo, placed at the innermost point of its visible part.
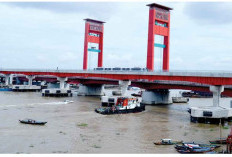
(92, 20)
(159, 6)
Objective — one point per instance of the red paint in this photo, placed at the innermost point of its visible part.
(96, 27)
(160, 14)
(96, 79)
(198, 79)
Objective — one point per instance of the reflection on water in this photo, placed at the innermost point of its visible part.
(126, 133)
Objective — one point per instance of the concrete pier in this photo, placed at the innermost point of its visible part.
(62, 91)
(26, 88)
(90, 90)
(30, 79)
(62, 81)
(216, 90)
(124, 85)
(56, 92)
(8, 79)
(214, 113)
(154, 97)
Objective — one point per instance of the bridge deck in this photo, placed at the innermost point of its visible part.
(211, 78)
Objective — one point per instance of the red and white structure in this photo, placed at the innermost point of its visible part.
(159, 24)
(94, 31)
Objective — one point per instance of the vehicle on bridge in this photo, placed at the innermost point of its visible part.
(123, 105)
(120, 69)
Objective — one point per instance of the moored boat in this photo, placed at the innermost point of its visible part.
(195, 148)
(4, 89)
(219, 141)
(167, 142)
(31, 121)
(123, 105)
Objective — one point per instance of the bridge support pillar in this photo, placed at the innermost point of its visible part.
(8, 79)
(124, 85)
(62, 81)
(90, 90)
(154, 97)
(1, 79)
(216, 90)
(30, 79)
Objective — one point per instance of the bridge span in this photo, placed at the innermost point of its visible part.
(204, 81)
(210, 78)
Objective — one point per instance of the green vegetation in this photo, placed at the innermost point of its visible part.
(225, 127)
(95, 146)
(82, 124)
(211, 129)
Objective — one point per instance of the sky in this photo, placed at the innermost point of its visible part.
(44, 35)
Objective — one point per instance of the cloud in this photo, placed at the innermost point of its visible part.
(101, 10)
(206, 13)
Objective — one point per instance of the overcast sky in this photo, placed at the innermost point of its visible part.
(50, 35)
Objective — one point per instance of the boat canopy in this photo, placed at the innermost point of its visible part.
(166, 140)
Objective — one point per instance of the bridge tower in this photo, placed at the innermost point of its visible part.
(94, 31)
(159, 24)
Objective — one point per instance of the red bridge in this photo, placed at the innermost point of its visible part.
(159, 24)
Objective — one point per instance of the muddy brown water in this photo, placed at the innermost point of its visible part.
(76, 128)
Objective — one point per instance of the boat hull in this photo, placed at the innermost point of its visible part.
(35, 123)
(5, 89)
(218, 142)
(110, 111)
(172, 143)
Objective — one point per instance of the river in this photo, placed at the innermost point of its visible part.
(76, 128)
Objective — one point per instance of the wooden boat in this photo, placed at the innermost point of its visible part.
(31, 121)
(219, 141)
(195, 148)
(167, 142)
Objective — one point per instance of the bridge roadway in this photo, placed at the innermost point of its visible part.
(209, 78)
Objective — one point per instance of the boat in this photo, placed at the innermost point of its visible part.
(31, 121)
(167, 142)
(5, 89)
(195, 148)
(117, 92)
(139, 94)
(123, 105)
(180, 100)
(219, 141)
